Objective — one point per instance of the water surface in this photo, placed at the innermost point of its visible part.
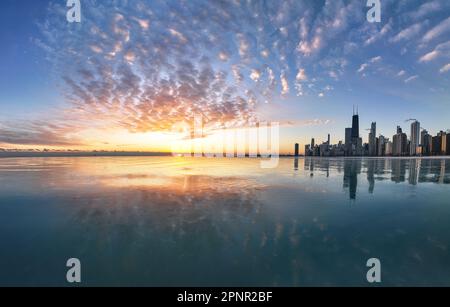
(165, 221)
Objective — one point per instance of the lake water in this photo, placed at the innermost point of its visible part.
(165, 221)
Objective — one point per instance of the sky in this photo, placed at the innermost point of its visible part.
(130, 71)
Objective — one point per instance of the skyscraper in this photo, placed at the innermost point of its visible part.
(355, 126)
(400, 143)
(308, 151)
(297, 150)
(415, 139)
(348, 141)
(357, 148)
(426, 142)
(388, 148)
(381, 150)
(436, 145)
(373, 140)
(443, 140)
(448, 145)
(348, 136)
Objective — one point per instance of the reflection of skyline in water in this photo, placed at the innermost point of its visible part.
(414, 171)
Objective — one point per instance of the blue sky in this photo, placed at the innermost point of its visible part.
(142, 66)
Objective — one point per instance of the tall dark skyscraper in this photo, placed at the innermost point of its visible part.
(373, 140)
(348, 136)
(355, 125)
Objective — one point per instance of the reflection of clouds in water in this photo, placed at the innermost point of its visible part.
(183, 219)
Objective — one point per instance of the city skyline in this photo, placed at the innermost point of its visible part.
(121, 81)
(419, 142)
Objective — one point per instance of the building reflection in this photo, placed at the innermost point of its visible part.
(414, 167)
(352, 168)
(399, 170)
(413, 171)
(371, 175)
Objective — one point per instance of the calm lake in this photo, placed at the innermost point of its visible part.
(166, 221)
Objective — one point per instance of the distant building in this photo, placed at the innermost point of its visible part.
(400, 143)
(426, 141)
(324, 150)
(427, 145)
(448, 145)
(348, 136)
(355, 126)
(439, 144)
(444, 142)
(297, 150)
(436, 145)
(415, 139)
(373, 140)
(348, 141)
(388, 148)
(381, 150)
(447, 142)
(308, 151)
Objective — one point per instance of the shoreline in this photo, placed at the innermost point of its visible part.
(164, 154)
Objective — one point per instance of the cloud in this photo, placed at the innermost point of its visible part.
(40, 134)
(376, 59)
(224, 56)
(429, 56)
(445, 68)
(379, 34)
(265, 53)
(409, 32)
(255, 75)
(301, 75)
(178, 35)
(144, 24)
(427, 8)
(237, 73)
(412, 78)
(284, 84)
(363, 67)
(438, 51)
(373, 60)
(309, 122)
(438, 30)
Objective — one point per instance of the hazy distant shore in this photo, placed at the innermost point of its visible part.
(68, 154)
(49, 154)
